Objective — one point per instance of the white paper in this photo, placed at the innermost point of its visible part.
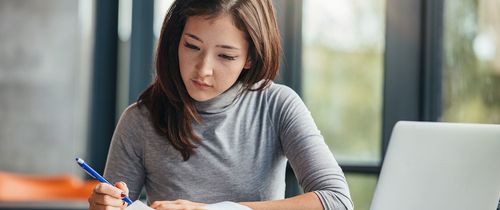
(226, 205)
(138, 205)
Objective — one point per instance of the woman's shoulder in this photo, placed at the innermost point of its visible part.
(135, 110)
(135, 115)
(279, 93)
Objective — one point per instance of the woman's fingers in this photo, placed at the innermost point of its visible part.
(164, 205)
(176, 205)
(105, 196)
(122, 186)
(107, 189)
(108, 201)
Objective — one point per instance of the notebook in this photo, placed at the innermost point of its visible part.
(440, 166)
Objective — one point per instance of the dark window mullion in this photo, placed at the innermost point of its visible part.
(141, 51)
(412, 74)
(402, 64)
(104, 79)
(432, 59)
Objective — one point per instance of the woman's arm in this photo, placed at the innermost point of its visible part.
(125, 156)
(308, 201)
(310, 158)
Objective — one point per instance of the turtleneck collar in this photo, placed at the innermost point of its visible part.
(219, 103)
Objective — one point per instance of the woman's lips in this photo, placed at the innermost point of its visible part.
(200, 84)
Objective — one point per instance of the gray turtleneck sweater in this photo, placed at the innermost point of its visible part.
(246, 142)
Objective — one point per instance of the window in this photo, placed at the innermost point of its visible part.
(471, 61)
(342, 82)
(45, 65)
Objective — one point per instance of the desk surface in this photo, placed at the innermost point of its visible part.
(45, 205)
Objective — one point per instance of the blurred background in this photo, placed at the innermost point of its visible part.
(68, 68)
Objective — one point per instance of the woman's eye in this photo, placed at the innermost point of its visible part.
(191, 46)
(227, 57)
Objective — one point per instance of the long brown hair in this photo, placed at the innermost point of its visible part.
(171, 108)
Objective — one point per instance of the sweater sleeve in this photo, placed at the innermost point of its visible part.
(314, 165)
(125, 156)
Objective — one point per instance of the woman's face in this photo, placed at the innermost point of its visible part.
(212, 54)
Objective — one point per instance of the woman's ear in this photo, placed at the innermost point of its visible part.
(248, 64)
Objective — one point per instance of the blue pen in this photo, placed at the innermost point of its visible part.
(96, 175)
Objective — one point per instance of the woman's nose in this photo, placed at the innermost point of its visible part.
(204, 66)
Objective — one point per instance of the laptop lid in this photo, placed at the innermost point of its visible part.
(440, 166)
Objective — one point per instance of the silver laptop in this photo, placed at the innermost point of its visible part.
(440, 166)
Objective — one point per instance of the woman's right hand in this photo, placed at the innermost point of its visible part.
(105, 196)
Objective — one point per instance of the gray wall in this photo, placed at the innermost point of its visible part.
(44, 71)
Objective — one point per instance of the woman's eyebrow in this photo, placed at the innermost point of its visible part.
(194, 37)
(227, 47)
(219, 45)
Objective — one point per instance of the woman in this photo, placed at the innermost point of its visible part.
(213, 126)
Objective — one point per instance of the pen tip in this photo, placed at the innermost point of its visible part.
(79, 160)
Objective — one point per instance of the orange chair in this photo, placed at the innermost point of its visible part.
(19, 187)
